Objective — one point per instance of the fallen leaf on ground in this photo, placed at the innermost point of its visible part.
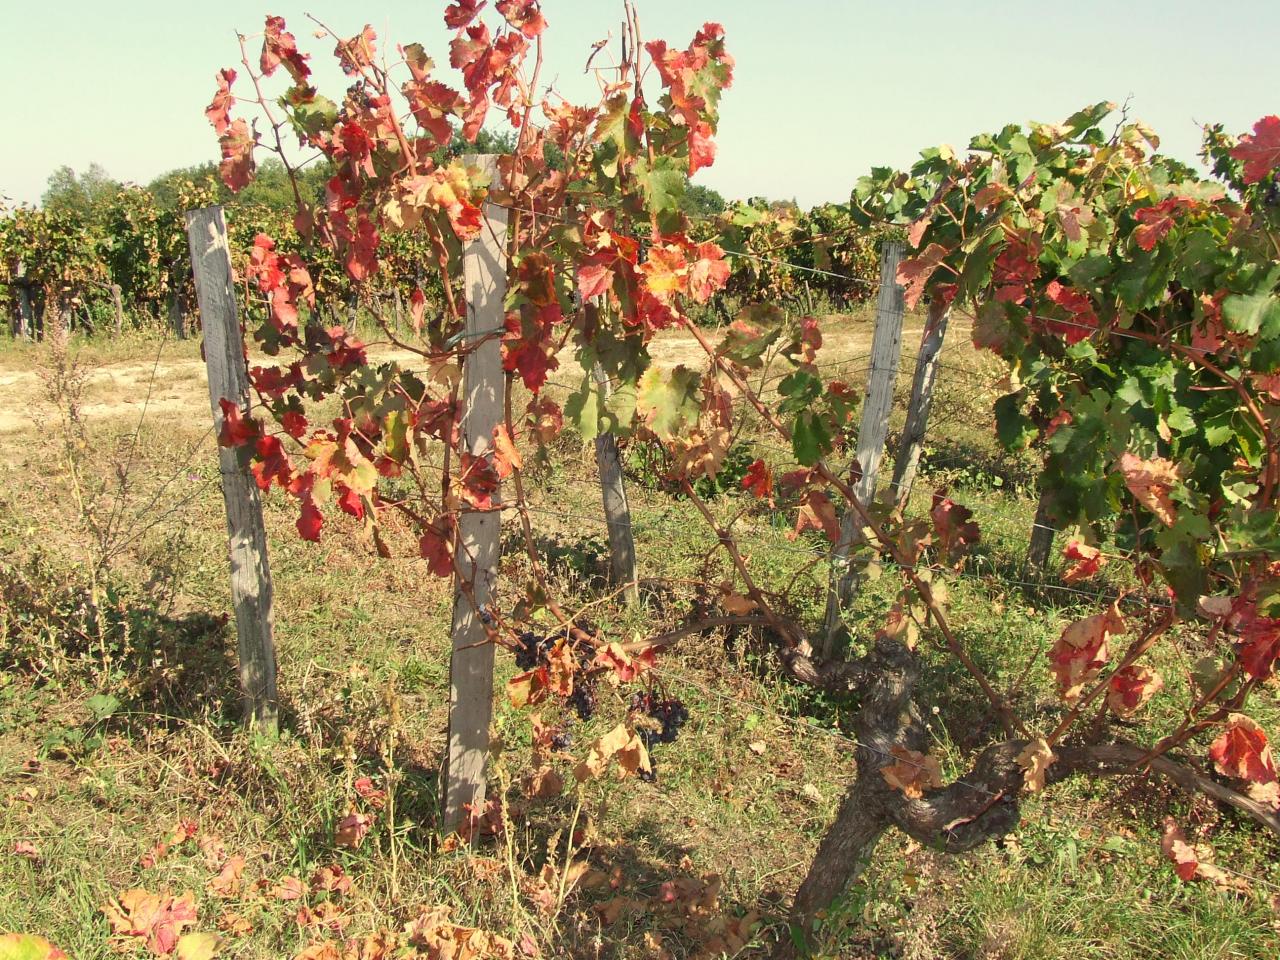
(27, 850)
(1193, 863)
(350, 830)
(229, 879)
(199, 946)
(183, 831)
(289, 888)
(25, 946)
(158, 919)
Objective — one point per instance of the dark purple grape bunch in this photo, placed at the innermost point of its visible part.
(532, 650)
(583, 698)
(671, 714)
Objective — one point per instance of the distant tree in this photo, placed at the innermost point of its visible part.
(702, 201)
(82, 195)
(270, 187)
(169, 186)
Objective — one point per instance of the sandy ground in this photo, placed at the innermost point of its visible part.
(175, 386)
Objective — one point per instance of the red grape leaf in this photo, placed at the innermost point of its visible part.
(460, 14)
(1193, 862)
(436, 546)
(914, 274)
(524, 15)
(158, 919)
(1259, 151)
(506, 457)
(758, 480)
(1259, 646)
(280, 46)
(1081, 651)
(350, 831)
(1129, 689)
(1150, 481)
(219, 110)
(1242, 751)
(237, 143)
(1088, 561)
(817, 513)
(229, 879)
(1081, 321)
(953, 524)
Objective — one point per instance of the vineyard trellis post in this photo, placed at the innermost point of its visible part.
(886, 349)
(907, 459)
(617, 512)
(26, 316)
(484, 268)
(251, 587)
(398, 304)
(117, 308)
(175, 315)
(1041, 542)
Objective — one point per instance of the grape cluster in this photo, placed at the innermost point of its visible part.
(671, 713)
(532, 650)
(583, 698)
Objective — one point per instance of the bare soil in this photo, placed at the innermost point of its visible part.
(175, 387)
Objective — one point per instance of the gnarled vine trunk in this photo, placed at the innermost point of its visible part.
(979, 806)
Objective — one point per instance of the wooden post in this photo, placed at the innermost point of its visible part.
(886, 348)
(26, 316)
(1041, 542)
(175, 315)
(484, 268)
(617, 513)
(251, 590)
(117, 308)
(912, 442)
(399, 309)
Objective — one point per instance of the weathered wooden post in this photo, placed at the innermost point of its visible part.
(175, 316)
(909, 447)
(484, 268)
(117, 308)
(886, 348)
(251, 590)
(26, 317)
(617, 512)
(1041, 542)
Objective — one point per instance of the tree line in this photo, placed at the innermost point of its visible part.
(105, 256)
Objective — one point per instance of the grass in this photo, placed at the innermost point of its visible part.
(743, 796)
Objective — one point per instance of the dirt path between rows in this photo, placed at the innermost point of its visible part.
(173, 386)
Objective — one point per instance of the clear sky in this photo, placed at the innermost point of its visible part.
(824, 88)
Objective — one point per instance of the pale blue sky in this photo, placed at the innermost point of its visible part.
(824, 88)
